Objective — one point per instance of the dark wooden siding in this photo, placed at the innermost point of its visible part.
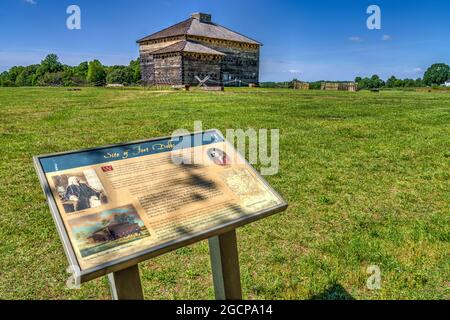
(168, 69)
(201, 66)
(240, 63)
(147, 63)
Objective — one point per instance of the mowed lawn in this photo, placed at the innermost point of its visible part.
(366, 176)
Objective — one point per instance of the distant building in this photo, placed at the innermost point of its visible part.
(339, 86)
(447, 83)
(197, 51)
(299, 85)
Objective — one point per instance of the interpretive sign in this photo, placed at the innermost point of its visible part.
(116, 206)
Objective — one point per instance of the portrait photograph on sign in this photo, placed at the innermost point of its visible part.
(80, 191)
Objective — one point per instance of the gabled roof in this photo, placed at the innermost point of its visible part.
(195, 27)
(178, 29)
(188, 46)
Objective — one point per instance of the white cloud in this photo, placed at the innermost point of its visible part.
(386, 37)
(294, 71)
(355, 39)
(33, 2)
(412, 71)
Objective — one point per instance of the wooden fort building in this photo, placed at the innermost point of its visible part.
(197, 49)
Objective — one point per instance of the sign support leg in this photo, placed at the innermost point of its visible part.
(126, 284)
(225, 266)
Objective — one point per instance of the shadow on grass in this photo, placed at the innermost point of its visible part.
(335, 292)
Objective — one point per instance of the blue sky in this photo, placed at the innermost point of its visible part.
(310, 40)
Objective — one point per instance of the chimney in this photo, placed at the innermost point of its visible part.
(202, 17)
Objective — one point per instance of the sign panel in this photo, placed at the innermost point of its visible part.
(119, 205)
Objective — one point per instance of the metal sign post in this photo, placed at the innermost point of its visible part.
(126, 284)
(225, 266)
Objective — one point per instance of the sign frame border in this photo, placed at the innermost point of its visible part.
(147, 254)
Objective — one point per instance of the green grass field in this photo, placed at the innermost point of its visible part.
(366, 176)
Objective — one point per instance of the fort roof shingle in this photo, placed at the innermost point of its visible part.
(188, 46)
(195, 27)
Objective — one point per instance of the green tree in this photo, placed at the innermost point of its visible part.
(25, 78)
(75, 76)
(419, 82)
(5, 80)
(69, 77)
(376, 82)
(50, 64)
(14, 73)
(391, 82)
(135, 66)
(364, 83)
(82, 70)
(96, 73)
(399, 83)
(120, 75)
(315, 85)
(437, 74)
(54, 79)
(409, 83)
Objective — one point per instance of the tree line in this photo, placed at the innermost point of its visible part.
(435, 75)
(51, 72)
